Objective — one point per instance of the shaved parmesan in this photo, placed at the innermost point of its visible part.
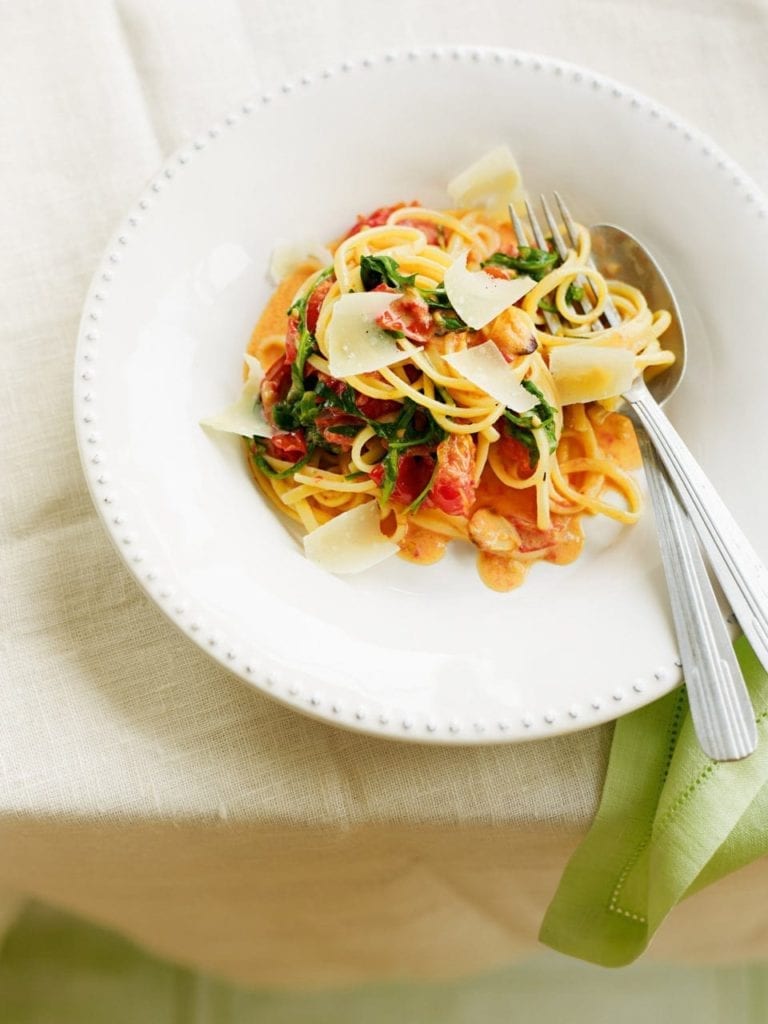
(350, 542)
(255, 372)
(356, 343)
(477, 297)
(245, 417)
(485, 366)
(587, 373)
(493, 180)
(287, 258)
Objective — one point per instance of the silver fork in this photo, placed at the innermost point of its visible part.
(712, 674)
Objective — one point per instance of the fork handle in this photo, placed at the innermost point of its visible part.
(735, 562)
(720, 707)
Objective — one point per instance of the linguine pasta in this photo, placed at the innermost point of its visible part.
(438, 456)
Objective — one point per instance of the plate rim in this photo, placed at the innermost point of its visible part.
(269, 679)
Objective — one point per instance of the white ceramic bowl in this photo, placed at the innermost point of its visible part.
(401, 650)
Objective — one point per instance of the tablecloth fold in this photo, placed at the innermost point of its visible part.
(142, 785)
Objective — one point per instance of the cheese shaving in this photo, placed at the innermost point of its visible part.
(492, 181)
(485, 366)
(351, 542)
(477, 297)
(290, 256)
(244, 417)
(356, 343)
(588, 373)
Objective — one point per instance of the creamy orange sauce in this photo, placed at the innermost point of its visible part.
(422, 546)
(564, 542)
(273, 319)
(507, 501)
(569, 542)
(500, 572)
(561, 545)
(616, 436)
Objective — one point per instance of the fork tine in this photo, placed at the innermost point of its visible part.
(557, 238)
(517, 227)
(562, 249)
(570, 226)
(552, 320)
(610, 313)
(538, 234)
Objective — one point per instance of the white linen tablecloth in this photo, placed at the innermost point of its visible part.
(140, 784)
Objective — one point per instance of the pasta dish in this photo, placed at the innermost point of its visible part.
(405, 388)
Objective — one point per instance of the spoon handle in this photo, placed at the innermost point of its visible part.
(720, 707)
(741, 573)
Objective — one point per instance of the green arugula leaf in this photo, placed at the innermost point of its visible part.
(521, 425)
(381, 269)
(402, 435)
(430, 436)
(417, 501)
(450, 323)
(436, 298)
(345, 400)
(536, 263)
(307, 409)
(376, 270)
(391, 464)
(277, 474)
(396, 442)
(292, 415)
(305, 341)
(445, 316)
(398, 434)
(574, 293)
(284, 416)
(346, 429)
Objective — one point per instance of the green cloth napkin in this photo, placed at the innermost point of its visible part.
(670, 822)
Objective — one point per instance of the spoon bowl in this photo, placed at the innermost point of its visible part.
(621, 256)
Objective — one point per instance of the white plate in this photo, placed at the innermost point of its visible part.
(401, 650)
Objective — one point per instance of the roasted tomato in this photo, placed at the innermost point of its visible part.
(376, 219)
(410, 315)
(380, 217)
(335, 385)
(453, 491)
(431, 231)
(515, 455)
(414, 471)
(501, 272)
(291, 339)
(375, 408)
(328, 424)
(372, 408)
(274, 387)
(289, 445)
(316, 300)
(534, 539)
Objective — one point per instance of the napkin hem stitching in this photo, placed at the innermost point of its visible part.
(706, 773)
(672, 737)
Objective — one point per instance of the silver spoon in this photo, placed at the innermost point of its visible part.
(720, 705)
(720, 708)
